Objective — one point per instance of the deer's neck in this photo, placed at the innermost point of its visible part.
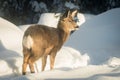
(63, 33)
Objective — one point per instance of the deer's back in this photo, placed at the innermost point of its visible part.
(43, 37)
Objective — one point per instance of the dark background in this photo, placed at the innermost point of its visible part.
(22, 12)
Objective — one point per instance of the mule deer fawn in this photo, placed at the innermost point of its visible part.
(39, 41)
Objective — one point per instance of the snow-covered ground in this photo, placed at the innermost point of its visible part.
(91, 53)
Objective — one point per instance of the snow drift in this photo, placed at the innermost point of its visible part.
(10, 35)
(10, 48)
(99, 37)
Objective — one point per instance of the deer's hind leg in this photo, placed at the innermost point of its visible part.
(31, 61)
(26, 54)
(35, 55)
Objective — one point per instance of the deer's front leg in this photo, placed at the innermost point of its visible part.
(44, 59)
(52, 60)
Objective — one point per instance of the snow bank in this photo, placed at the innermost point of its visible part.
(99, 37)
(71, 58)
(114, 62)
(24, 27)
(89, 16)
(51, 19)
(10, 48)
(10, 35)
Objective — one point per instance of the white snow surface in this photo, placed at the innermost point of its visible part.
(51, 19)
(7, 39)
(91, 53)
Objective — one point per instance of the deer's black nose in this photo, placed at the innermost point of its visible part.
(77, 27)
(72, 32)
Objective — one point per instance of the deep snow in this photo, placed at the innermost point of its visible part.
(99, 37)
(93, 52)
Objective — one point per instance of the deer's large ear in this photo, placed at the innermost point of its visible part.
(66, 14)
(74, 13)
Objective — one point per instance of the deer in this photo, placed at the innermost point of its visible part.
(40, 41)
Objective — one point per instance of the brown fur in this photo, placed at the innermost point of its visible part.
(39, 41)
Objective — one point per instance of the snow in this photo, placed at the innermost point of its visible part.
(7, 38)
(51, 19)
(24, 27)
(70, 5)
(10, 48)
(113, 62)
(91, 53)
(99, 37)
